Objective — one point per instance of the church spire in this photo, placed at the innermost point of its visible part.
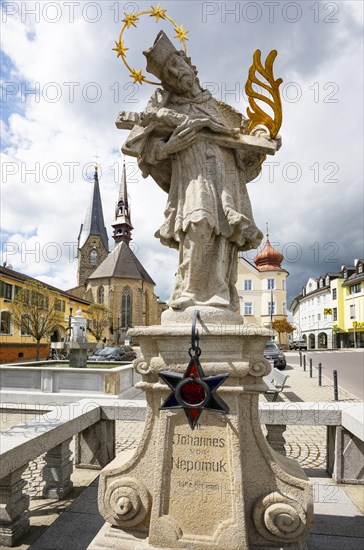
(122, 224)
(93, 243)
(94, 220)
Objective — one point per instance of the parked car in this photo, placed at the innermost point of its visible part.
(298, 344)
(273, 353)
(113, 353)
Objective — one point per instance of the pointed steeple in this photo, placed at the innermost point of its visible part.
(94, 221)
(122, 224)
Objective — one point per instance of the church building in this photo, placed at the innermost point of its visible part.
(115, 279)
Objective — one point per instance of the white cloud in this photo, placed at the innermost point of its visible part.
(314, 131)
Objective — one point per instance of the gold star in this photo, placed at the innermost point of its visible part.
(137, 76)
(158, 13)
(181, 33)
(120, 48)
(130, 19)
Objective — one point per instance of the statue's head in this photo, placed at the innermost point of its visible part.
(171, 66)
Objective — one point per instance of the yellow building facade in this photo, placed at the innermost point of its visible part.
(348, 306)
(14, 344)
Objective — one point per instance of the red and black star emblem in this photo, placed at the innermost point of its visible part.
(194, 392)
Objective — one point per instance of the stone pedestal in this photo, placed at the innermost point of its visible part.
(220, 486)
(78, 354)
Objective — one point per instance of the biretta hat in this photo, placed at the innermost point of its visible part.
(158, 54)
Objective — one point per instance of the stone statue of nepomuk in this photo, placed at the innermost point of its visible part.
(199, 151)
(221, 486)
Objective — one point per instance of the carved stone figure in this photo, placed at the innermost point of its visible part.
(197, 149)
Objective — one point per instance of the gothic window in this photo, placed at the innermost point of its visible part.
(5, 322)
(126, 311)
(93, 257)
(101, 295)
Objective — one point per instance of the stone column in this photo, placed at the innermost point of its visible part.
(14, 520)
(95, 446)
(57, 471)
(275, 437)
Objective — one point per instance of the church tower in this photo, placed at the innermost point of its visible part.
(122, 225)
(93, 245)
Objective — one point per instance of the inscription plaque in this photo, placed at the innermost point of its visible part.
(200, 474)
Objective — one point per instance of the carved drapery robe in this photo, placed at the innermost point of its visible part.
(208, 216)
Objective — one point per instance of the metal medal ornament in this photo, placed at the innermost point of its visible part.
(193, 391)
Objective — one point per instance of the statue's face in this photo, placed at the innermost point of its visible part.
(178, 74)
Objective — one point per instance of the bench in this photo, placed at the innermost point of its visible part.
(275, 381)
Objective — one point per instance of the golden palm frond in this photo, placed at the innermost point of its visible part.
(255, 113)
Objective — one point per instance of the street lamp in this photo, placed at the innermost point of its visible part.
(69, 328)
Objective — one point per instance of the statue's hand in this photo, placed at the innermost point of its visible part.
(181, 138)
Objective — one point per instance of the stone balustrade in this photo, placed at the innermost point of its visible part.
(93, 425)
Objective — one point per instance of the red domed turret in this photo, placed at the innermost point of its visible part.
(269, 258)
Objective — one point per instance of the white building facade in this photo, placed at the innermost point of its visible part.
(262, 288)
(312, 313)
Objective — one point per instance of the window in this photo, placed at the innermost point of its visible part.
(24, 329)
(321, 283)
(8, 291)
(334, 293)
(248, 308)
(270, 283)
(334, 314)
(354, 289)
(360, 268)
(345, 274)
(352, 311)
(93, 257)
(271, 308)
(126, 311)
(101, 295)
(327, 280)
(248, 284)
(38, 300)
(60, 305)
(284, 284)
(284, 308)
(319, 316)
(5, 322)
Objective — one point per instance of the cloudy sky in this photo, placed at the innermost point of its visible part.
(62, 88)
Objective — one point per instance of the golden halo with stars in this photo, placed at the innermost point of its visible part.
(131, 20)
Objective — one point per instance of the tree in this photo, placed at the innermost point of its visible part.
(35, 312)
(98, 320)
(282, 326)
